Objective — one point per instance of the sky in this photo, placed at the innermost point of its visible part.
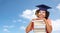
(15, 15)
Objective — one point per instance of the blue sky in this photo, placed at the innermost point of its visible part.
(15, 15)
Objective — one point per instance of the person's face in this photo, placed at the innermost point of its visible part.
(42, 14)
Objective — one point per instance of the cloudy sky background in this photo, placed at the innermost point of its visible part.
(15, 15)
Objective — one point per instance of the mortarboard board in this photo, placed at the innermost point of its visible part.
(43, 7)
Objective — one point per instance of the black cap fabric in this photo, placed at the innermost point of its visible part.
(43, 7)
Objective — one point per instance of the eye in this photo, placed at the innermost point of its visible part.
(39, 13)
(43, 12)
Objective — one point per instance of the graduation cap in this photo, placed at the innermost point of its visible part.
(43, 7)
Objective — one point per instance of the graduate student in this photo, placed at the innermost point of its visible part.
(42, 14)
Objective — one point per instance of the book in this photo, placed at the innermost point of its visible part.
(39, 26)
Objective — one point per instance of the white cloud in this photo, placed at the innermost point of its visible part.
(56, 25)
(24, 22)
(5, 26)
(58, 6)
(6, 30)
(19, 20)
(29, 14)
(11, 26)
(22, 27)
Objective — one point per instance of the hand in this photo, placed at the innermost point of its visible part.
(45, 20)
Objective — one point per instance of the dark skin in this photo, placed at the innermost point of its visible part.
(47, 22)
(48, 25)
